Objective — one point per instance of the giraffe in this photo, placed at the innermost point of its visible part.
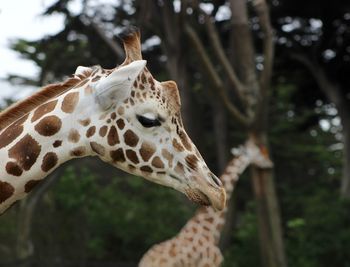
(196, 245)
(123, 115)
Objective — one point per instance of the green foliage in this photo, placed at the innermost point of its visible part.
(322, 236)
(99, 220)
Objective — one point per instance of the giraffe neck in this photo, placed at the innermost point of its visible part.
(40, 141)
(208, 221)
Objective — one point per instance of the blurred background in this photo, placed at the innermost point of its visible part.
(278, 70)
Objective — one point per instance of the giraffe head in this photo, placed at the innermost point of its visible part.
(142, 131)
(257, 154)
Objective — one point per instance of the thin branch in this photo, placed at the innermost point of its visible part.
(330, 89)
(113, 45)
(223, 59)
(217, 82)
(305, 61)
(262, 11)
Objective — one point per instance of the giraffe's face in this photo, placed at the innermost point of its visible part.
(144, 135)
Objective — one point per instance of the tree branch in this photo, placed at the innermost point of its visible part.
(217, 82)
(223, 59)
(264, 80)
(113, 45)
(330, 89)
(262, 11)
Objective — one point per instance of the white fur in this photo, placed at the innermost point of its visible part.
(117, 86)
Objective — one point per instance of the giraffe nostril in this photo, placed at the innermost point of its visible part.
(215, 179)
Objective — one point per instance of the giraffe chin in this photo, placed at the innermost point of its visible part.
(202, 199)
(198, 197)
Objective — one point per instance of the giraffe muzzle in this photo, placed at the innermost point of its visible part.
(208, 192)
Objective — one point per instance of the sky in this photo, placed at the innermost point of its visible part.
(22, 19)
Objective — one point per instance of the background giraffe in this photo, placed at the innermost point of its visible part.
(197, 243)
(123, 115)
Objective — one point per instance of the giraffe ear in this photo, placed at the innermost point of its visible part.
(116, 87)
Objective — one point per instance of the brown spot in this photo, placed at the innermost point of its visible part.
(85, 122)
(147, 150)
(113, 137)
(78, 151)
(95, 79)
(49, 161)
(25, 152)
(120, 110)
(185, 140)
(143, 78)
(150, 80)
(30, 185)
(192, 161)
(91, 131)
(121, 124)
(88, 90)
(113, 116)
(131, 154)
(179, 168)
(57, 143)
(69, 102)
(109, 121)
(146, 169)
(172, 252)
(73, 136)
(209, 220)
(13, 169)
(48, 126)
(130, 138)
(103, 131)
(131, 167)
(168, 156)
(97, 148)
(178, 147)
(219, 226)
(44, 109)
(6, 191)
(158, 163)
(82, 83)
(118, 155)
(103, 116)
(12, 132)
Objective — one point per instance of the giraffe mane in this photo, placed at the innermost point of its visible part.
(21, 108)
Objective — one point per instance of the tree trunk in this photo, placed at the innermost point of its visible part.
(269, 222)
(220, 131)
(344, 112)
(270, 230)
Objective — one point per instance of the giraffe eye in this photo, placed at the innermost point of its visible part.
(148, 122)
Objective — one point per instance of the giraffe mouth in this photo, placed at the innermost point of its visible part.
(198, 197)
(215, 199)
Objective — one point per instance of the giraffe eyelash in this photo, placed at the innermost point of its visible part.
(147, 122)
